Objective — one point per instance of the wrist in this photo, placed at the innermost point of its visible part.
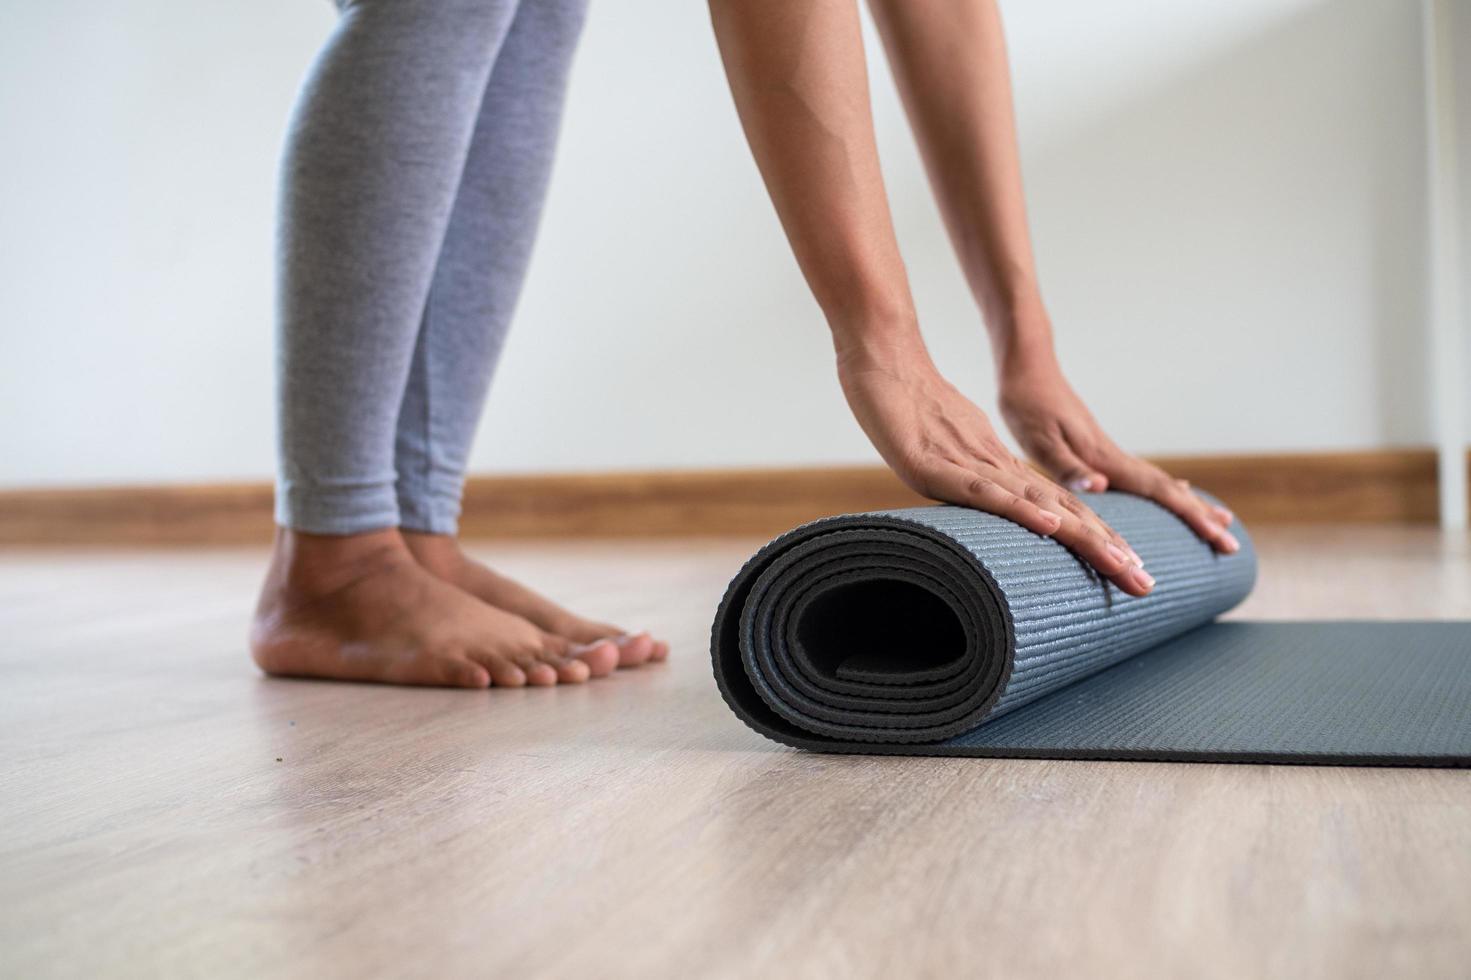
(1026, 364)
(889, 341)
(1021, 343)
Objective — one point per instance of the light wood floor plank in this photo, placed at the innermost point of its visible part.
(633, 827)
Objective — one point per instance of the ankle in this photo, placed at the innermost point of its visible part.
(323, 563)
(439, 553)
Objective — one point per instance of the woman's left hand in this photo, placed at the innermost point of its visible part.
(1058, 432)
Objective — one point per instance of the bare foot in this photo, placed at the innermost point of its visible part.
(441, 554)
(360, 608)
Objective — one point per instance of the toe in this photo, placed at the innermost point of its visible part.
(556, 652)
(601, 658)
(504, 673)
(586, 631)
(541, 675)
(573, 671)
(635, 650)
(463, 673)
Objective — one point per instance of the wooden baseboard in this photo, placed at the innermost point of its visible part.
(1382, 485)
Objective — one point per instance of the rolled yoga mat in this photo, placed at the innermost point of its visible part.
(946, 631)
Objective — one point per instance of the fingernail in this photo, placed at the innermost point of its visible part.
(1144, 578)
(1119, 554)
(1225, 515)
(1050, 516)
(1231, 544)
(1081, 485)
(1137, 560)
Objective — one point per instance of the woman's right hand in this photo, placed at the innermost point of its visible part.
(943, 446)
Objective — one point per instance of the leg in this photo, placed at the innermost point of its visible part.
(373, 160)
(377, 148)
(476, 285)
(486, 248)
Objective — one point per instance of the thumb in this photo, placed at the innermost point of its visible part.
(1058, 458)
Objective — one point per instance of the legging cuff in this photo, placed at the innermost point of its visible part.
(336, 510)
(428, 511)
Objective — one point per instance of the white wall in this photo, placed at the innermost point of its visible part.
(1226, 197)
(1459, 25)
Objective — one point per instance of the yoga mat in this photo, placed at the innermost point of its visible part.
(946, 631)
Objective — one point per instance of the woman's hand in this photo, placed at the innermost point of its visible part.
(1057, 431)
(943, 446)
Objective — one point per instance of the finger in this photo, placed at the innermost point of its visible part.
(1051, 496)
(1148, 480)
(963, 486)
(1093, 536)
(1084, 533)
(1120, 542)
(1108, 557)
(1081, 536)
(1067, 468)
(1111, 561)
(1086, 513)
(1190, 508)
(1201, 516)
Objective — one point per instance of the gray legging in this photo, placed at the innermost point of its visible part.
(414, 176)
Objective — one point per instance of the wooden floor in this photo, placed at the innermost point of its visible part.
(167, 811)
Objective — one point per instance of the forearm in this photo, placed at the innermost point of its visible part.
(800, 83)
(949, 61)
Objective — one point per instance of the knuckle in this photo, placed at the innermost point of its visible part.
(1035, 493)
(912, 465)
(991, 446)
(981, 486)
(1052, 441)
(1088, 517)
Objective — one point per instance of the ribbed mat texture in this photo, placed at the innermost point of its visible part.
(946, 631)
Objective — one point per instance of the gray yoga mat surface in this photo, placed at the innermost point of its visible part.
(945, 631)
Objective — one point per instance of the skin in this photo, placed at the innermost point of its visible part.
(799, 79)
(951, 67)
(399, 607)
(441, 555)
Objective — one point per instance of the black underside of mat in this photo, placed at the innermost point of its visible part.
(945, 631)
